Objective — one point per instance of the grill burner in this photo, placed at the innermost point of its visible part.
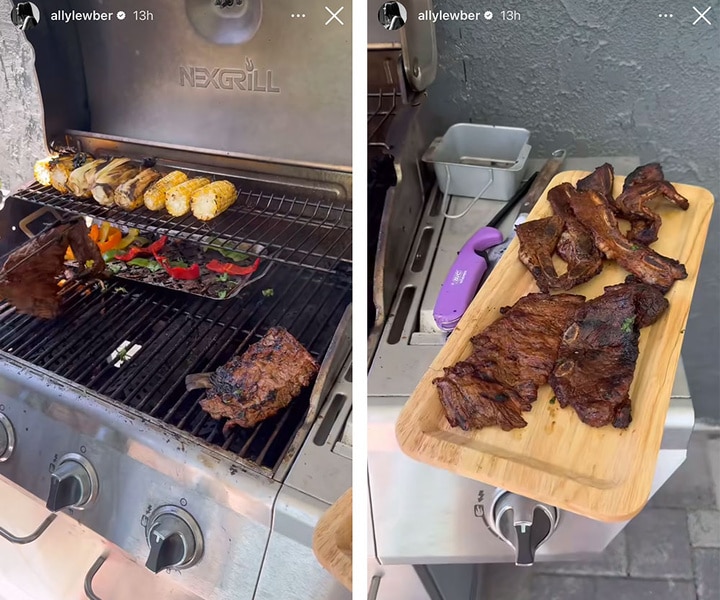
(181, 334)
(296, 231)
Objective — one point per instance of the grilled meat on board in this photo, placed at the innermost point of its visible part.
(257, 385)
(29, 277)
(597, 356)
(649, 266)
(511, 359)
(538, 240)
(644, 184)
(576, 246)
(601, 181)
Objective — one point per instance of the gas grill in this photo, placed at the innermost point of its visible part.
(96, 417)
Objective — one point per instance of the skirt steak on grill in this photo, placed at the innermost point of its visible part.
(257, 385)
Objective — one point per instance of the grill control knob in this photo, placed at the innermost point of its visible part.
(73, 483)
(7, 438)
(522, 523)
(174, 538)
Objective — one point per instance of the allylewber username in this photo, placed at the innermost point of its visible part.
(442, 15)
(78, 15)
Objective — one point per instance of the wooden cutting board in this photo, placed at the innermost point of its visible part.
(332, 540)
(606, 473)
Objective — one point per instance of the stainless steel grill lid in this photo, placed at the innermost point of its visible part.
(247, 79)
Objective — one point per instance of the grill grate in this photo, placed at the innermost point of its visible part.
(180, 334)
(382, 107)
(295, 231)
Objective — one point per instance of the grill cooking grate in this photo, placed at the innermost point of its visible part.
(180, 334)
(295, 231)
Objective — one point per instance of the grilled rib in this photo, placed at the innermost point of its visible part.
(649, 266)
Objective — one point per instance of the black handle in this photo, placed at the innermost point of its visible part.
(525, 551)
(64, 492)
(165, 552)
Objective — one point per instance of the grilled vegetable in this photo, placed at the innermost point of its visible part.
(41, 171)
(209, 201)
(154, 197)
(116, 172)
(82, 179)
(177, 201)
(229, 268)
(129, 195)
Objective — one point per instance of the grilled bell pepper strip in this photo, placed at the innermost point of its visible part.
(147, 251)
(191, 272)
(217, 267)
(110, 243)
(129, 238)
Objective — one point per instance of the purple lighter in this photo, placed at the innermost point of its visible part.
(464, 278)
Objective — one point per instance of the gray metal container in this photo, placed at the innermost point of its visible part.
(485, 160)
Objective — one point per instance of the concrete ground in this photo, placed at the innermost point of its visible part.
(670, 551)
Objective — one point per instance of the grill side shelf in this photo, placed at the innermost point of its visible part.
(293, 230)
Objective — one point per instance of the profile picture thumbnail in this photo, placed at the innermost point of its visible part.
(392, 16)
(25, 15)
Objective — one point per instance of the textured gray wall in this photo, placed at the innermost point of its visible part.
(21, 122)
(602, 78)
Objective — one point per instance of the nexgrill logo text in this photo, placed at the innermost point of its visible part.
(248, 79)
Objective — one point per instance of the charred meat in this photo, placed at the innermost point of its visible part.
(649, 266)
(257, 385)
(29, 277)
(644, 184)
(600, 181)
(596, 360)
(511, 359)
(538, 240)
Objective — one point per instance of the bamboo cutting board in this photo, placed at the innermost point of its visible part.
(606, 473)
(332, 541)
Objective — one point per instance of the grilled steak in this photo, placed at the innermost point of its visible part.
(257, 385)
(511, 359)
(597, 356)
(646, 264)
(29, 277)
(641, 186)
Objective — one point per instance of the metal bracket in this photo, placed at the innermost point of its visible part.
(91, 574)
(29, 538)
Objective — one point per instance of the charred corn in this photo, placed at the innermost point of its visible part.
(210, 200)
(41, 171)
(129, 195)
(154, 197)
(117, 171)
(82, 179)
(177, 202)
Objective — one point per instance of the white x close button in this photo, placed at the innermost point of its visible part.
(702, 16)
(334, 15)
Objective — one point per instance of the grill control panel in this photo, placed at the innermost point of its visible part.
(174, 538)
(73, 484)
(7, 438)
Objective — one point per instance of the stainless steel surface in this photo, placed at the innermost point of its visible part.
(7, 438)
(425, 515)
(419, 48)
(290, 570)
(522, 523)
(291, 80)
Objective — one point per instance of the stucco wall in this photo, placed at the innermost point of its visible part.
(602, 78)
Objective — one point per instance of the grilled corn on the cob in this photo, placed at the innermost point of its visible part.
(154, 197)
(82, 179)
(177, 202)
(118, 171)
(210, 200)
(41, 171)
(129, 195)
